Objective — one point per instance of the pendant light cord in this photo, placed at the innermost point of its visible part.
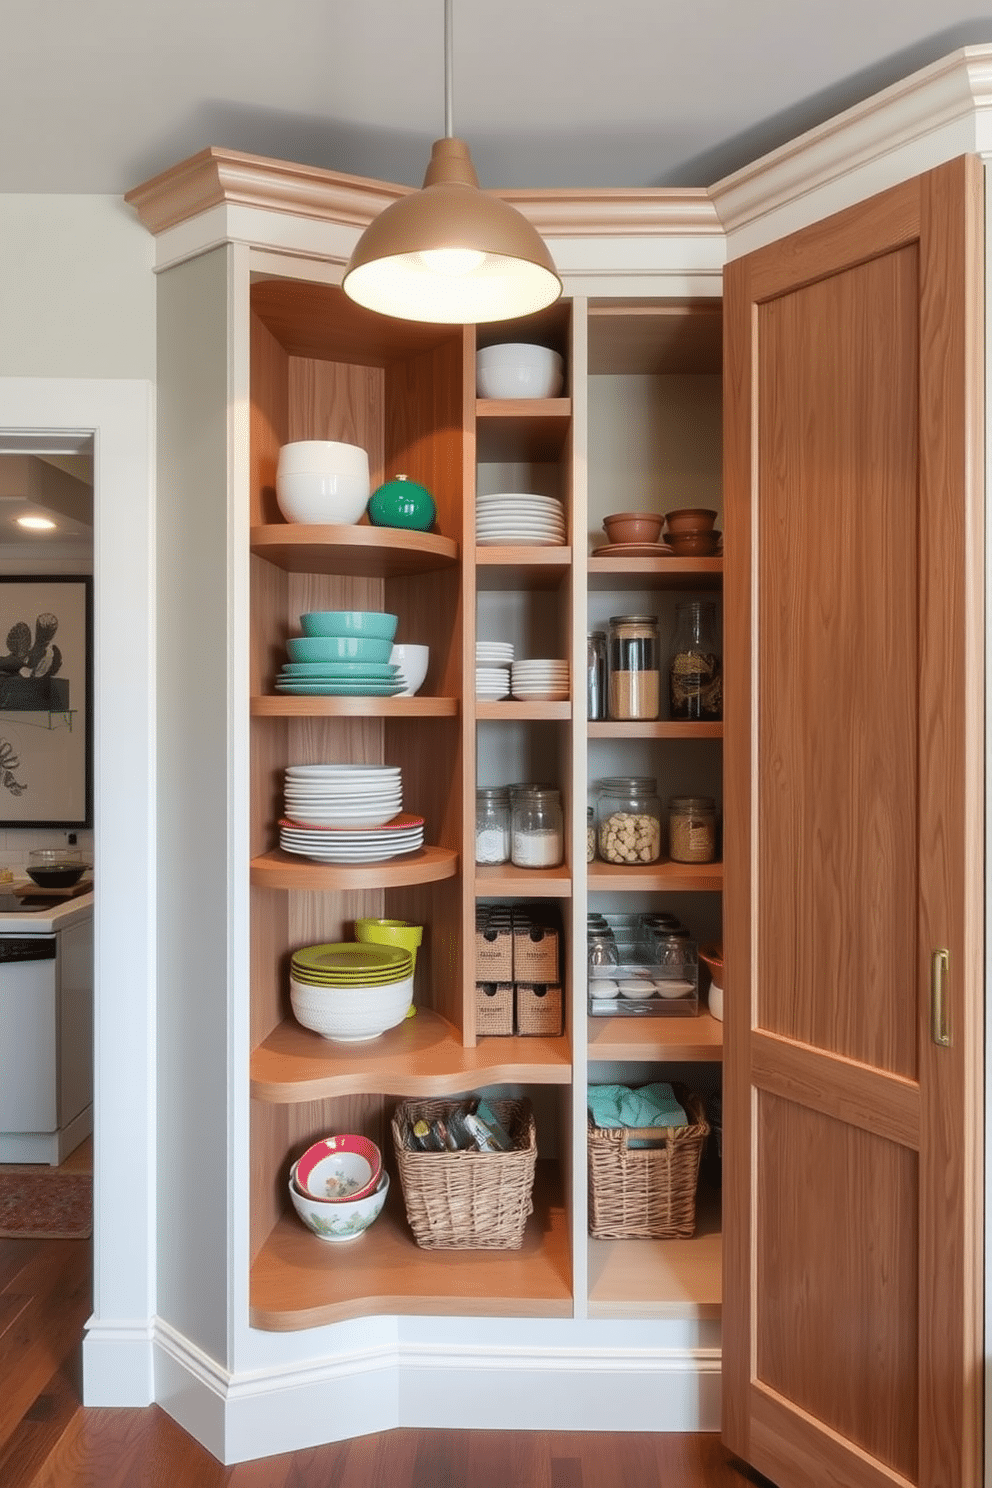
(448, 73)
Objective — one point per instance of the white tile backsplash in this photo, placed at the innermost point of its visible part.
(17, 842)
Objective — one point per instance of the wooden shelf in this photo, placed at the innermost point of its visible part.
(505, 880)
(659, 728)
(661, 877)
(267, 705)
(509, 709)
(522, 428)
(298, 1281)
(518, 567)
(699, 1039)
(421, 1057)
(673, 573)
(352, 551)
(282, 870)
(661, 1278)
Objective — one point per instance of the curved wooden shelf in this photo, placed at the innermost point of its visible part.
(423, 1056)
(659, 728)
(298, 1281)
(674, 573)
(267, 705)
(509, 709)
(353, 551)
(505, 879)
(661, 877)
(697, 1040)
(282, 870)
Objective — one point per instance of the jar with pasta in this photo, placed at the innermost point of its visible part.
(691, 829)
(629, 820)
(695, 667)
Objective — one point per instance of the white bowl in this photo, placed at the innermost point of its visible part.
(412, 662)
(345, 1220)
(347, 1015)
(518, 370)
(329, 485)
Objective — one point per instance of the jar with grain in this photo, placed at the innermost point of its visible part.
(633, 666)
(695, 667)
(537, 829)
(629, 820)
(492, 825)
(590, 835)
(692, 829)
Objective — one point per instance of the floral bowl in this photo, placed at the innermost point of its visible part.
(342, 1221)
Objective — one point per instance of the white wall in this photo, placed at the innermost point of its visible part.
(77, 293)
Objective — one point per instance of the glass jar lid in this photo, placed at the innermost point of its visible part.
(492, 793)
(629, 785)
(691, 803)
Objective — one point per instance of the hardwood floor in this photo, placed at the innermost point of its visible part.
(49, 1440)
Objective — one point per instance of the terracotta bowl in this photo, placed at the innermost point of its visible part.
(633, 527)
(694, 544)
(690, 519)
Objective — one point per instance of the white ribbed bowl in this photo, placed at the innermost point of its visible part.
(321, 481)
(350, 1014)
(518, 370)
(345, 1220)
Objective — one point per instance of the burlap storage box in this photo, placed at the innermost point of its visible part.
(646, 1193)
(467, 1200)
(494, 1008)
(538, 1009)
(493, 946)
(536, 949)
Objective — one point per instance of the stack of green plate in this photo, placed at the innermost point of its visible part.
(351, 963)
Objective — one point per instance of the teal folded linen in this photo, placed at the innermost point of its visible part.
(650, 1105)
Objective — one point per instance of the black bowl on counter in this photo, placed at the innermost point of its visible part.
(53, 868)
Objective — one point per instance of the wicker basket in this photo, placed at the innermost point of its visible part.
(646, 1193)
(467, 1200)
(538, 1010)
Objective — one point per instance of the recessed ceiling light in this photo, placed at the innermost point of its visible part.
(41, 524)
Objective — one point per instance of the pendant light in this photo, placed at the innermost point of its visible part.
(451, 253)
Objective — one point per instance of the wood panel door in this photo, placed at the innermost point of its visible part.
(853, 826)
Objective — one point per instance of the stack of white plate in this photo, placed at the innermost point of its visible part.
(539, 679)
(347, 796)
(404, 834)
(492, 669)
(513, 517)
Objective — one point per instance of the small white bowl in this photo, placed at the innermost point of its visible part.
(338, 1222)
(348, 1015)
(518, 370)
(412, 662)
(636, 987)
(322, 482)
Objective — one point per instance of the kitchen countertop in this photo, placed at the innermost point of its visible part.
(40, 917)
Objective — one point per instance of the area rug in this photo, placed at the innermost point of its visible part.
(46, 1204)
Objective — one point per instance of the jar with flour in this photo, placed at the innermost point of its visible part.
(537, 829)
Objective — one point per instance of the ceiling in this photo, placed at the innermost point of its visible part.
(628, 93)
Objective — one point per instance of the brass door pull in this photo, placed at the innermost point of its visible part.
(939, 968)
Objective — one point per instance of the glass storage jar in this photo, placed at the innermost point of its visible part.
(634, 667)
(492, 824)
(691, 829)
(590, 835)
(537, 829)
(596, 674)
(629, 820)
(695, 667)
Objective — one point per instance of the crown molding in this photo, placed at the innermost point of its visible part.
(216, 177)
(941, 105)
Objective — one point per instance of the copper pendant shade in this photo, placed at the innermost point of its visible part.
(451, 253)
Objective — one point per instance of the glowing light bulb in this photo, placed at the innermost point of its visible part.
(453, 261)
(39, 523)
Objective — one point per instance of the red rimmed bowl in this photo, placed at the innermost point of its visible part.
(339, 1169)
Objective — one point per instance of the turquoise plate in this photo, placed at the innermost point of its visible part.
(355, 688)
(384, 671)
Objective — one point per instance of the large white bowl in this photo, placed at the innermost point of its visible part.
(345, 1220)
(518, 370)
(348, 1015)
(320, 481)
(412, 662)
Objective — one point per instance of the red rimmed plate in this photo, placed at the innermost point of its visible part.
(401, 823)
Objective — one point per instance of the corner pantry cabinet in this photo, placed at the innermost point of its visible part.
(266, 1340)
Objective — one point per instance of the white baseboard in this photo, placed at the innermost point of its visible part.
(118, 1364)
(289, 1408)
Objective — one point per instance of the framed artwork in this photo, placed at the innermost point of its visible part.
(46, 700)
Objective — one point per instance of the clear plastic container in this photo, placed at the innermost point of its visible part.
(629, 820)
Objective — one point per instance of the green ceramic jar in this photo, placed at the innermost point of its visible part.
(402, 503)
